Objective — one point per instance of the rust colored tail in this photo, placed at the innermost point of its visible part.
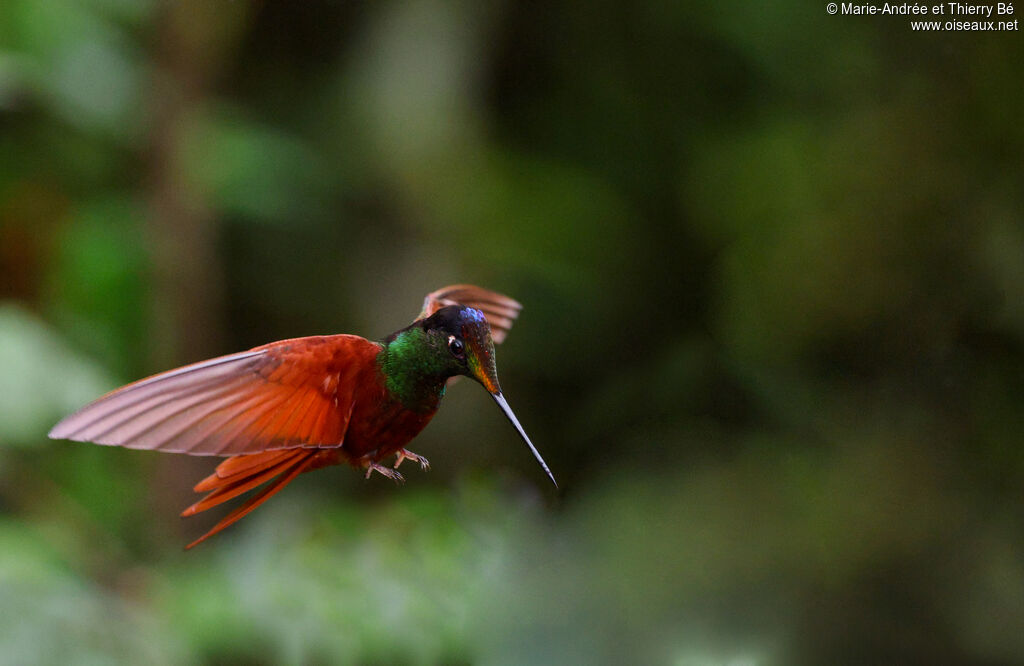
(239, 474)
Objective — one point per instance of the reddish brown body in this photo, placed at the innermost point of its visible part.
(346, 405)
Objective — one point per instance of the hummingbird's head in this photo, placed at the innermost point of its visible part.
(466, 337)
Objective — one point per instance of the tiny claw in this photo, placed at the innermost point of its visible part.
(415, 457)
(386, 471)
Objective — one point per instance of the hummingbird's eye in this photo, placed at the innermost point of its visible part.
(455, 346)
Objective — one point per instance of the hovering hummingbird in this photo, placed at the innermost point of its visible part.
(297, 405)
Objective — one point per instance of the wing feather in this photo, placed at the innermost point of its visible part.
(249, 427)
(293, 393)
(500, 310)
(159, 414)
(217, 430)
(94, 420)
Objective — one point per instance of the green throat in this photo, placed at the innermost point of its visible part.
(415, 368)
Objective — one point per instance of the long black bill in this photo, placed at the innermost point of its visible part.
(500, 399)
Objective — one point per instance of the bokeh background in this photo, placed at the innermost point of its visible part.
(772, 263)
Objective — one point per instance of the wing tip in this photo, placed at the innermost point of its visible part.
(65, 431)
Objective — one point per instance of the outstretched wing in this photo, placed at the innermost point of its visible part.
(499, 309)
(288, 394)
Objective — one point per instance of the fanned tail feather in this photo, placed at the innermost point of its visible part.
(239, 467)
(240, 474)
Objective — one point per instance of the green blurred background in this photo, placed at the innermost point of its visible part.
(772, 263)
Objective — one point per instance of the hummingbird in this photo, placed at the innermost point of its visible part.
(297, 405)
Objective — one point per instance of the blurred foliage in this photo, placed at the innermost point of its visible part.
(772, 264)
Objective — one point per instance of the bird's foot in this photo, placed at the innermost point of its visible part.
(386, 471)
(415, 457)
